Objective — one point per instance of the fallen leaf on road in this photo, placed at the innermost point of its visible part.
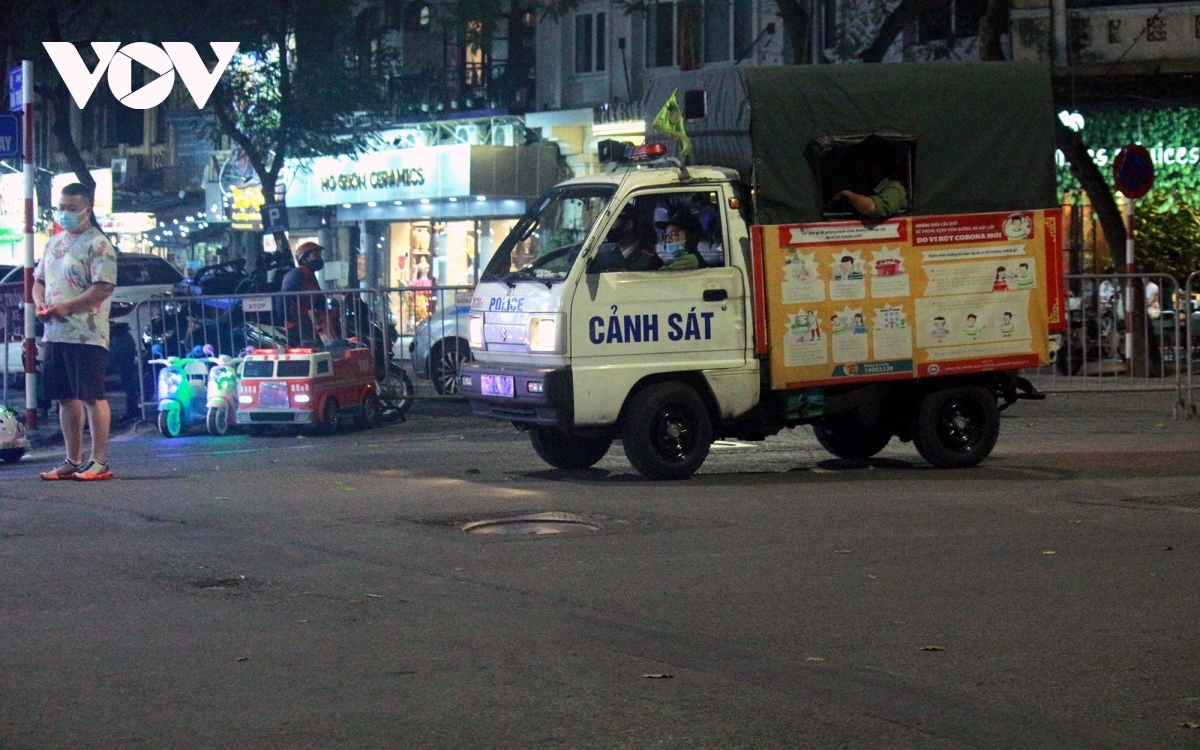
(657, 676)
(472, 471)
(350, 489)
(1190, 725)
(841, 552)
(220, 497)
(1074, 521)
(302, 437)
(815, 658)
(872, 577)
(512, 477)
(1167, 549)
(1048, 552)
(242, 658)
(373, 596)
(304, 621)
(932, 648)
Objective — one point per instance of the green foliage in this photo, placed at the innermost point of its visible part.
(1107, 131)
(1167, 235)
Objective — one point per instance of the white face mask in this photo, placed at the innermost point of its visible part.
(673, 249)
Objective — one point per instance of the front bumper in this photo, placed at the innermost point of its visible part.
(273, 416)
(555, 405)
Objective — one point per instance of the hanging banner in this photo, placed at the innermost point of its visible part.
(910, 297)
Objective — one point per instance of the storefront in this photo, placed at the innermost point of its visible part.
(428, 215)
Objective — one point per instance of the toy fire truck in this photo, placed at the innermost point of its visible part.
(308, 387)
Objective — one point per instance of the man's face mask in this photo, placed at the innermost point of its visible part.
(673, 249)
(313, 263)
(69, 220)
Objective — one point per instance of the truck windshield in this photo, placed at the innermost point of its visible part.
(544, 244)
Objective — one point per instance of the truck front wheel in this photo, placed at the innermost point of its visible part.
(846, 437)
(565, 451)
(957, 427)
(667, 431)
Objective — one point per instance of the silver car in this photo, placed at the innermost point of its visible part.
(438, 346)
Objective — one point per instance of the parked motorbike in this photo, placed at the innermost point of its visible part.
(222, 393)
(182, 394)
(13, 442)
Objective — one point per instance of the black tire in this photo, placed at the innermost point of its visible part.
(368, 415)
(667, 431)
(170, 423)
(331, 416)
(563, 450)
(846, 437)
(445, 359)
(11, 455)
(1068, 361)
(398, 392)
(217, 420)
(957, 427)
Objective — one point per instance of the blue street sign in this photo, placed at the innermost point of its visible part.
(10, 136)
(274, 217)
(16, 93)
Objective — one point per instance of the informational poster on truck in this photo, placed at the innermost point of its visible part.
(909, 297)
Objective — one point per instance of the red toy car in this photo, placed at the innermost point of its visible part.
(308, 387)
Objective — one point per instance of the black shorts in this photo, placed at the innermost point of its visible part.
(74, 371)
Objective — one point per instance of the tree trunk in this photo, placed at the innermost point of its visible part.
(991, 26)
(60, 125)
(904, 14)
(1101, 197)
(796, 26)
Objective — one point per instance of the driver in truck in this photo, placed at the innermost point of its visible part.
(630, 246)
(682, 241)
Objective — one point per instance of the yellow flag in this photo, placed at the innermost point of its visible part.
(669, 122)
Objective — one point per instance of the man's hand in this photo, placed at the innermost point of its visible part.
(54, 312)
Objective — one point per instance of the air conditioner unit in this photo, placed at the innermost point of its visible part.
(467, 134)
(505, 135)
(410, 139)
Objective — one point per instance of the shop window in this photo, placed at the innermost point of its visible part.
(859, 163)
(717, 28)
(654, 230)
(590, 47)
(690, 32)
(957, 20)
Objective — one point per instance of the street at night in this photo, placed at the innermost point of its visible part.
(319, 592)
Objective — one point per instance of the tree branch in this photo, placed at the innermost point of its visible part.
(796, 25)
(904, 14)
(991, 26)
(1101, 197)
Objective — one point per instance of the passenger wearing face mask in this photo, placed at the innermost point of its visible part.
(681, 238)
(299, 320)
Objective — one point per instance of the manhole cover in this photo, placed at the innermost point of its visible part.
(1170, 501)
(532, 523)
(217, 583)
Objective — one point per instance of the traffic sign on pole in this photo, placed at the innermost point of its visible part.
(1133, 171)
(10, 136)
(16, 87)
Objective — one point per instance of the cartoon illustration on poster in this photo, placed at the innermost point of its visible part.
(975, 325)
(979, 277)
(849, 280)
(848, 331)
(803, 343)
(892, 336)
(802, 282)
(889, 277)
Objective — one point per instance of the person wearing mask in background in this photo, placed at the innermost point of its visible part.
(72, 285)
(630, 247)
(681, 240)
(299, 320)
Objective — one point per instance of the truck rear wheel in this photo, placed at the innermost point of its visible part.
(957, 427)
(846, 437)
(565, 451)
(667, 431)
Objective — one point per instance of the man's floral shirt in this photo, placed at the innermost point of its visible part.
(68, 268)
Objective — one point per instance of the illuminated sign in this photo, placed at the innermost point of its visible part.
(1170, 135)
(391, 175)
(127, 223)
(247, 202)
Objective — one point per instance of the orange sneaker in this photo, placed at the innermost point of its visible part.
(66, 470)
(92, 471)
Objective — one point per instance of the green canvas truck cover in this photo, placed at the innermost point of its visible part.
(984, 131)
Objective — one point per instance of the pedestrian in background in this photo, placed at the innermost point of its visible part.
(299, 321)
(72, 285)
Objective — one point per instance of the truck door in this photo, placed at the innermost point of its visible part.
(661, 294)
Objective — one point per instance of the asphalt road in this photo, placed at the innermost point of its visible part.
(293, 593)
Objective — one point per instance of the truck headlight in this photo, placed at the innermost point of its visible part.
(475, 331)
(543, 334)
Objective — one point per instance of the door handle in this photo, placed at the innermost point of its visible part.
(715, 295)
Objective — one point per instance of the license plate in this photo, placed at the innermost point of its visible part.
(496, 385)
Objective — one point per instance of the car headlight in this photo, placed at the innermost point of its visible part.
(543, 334)
(475, 331)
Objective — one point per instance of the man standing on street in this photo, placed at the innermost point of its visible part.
(71, 287)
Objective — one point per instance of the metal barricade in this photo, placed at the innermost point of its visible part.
(1191, 314)
(433, 336)
(207, 326)
(1102, 352)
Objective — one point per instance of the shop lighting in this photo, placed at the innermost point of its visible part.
(397, 203)
(454, 200)
(372, 204)
(174, 221)
(345, 205)
(481, 198)
(424, 201)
